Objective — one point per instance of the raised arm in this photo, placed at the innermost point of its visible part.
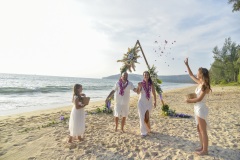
(195, 79)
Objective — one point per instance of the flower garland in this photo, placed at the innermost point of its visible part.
(129, 59)
(122, 87)
(147, 89)
(166, 111)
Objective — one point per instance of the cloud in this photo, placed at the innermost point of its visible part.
(97, 33)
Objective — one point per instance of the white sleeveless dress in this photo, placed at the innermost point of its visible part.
(200, 108)
(77, 121)
(144, 105)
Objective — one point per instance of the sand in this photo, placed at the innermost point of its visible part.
(42, 135)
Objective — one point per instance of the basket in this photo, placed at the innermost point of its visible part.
(86, 100)
(191, 95)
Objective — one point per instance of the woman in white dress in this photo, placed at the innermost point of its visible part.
(200, 108)
(77, 116)
(145, 102)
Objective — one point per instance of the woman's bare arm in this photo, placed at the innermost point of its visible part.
(198, 99)
(195, 79)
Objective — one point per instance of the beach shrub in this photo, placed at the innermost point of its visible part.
(239, 78)
(223, 82)
(166, 111)
(104, 109)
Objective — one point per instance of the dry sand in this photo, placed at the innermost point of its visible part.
(42, 135)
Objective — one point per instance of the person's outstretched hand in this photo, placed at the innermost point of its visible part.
(186, 61)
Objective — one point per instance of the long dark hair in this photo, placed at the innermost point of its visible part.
(75, 91)
(150, 80)
(206, 78)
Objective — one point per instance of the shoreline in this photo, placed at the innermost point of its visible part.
(57, 108)
(42, 135)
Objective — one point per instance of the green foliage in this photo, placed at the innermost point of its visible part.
(238, 77)
(225, 68)
(166, 111)
(228, 84)
(236, 4)
(156, 81)
(159, 81)
(223, 82)
(104, 109)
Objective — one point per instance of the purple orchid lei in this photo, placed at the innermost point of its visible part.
(147, 89)
(122, 87)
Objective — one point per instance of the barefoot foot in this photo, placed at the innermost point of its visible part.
(79, 138)
(202, 153)
(69, 140)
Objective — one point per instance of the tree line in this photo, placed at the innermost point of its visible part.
(226, 65)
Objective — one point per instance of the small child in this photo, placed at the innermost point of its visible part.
(77, 116)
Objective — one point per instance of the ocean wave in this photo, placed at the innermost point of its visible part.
(24, 90)
(46, 89)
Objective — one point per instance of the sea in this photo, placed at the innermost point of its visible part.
(24, 93)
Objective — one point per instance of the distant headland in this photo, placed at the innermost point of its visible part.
(171, 78)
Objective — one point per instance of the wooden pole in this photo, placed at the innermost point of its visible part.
(142, 53)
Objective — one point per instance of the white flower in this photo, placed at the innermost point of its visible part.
(130, 56)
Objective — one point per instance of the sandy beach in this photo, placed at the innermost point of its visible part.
(42, 135)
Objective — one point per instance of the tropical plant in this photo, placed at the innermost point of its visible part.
(236, 5)
(226, 66)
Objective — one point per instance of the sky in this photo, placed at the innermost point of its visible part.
(79, 38)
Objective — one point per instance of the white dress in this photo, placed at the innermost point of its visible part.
(77, 121)
(200, 108)
(121, 106)
(144, 105)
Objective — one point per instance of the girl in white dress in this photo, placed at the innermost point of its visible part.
(77, 116)
(200, 108)
(145, 102)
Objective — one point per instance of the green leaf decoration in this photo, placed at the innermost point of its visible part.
(159, 81)
(156, 81)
